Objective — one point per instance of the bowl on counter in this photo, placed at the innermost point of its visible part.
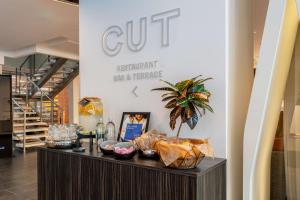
(124, 150)
(107, 147)
(149, 153)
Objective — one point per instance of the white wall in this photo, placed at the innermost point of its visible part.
(208, 38)
(195, 48)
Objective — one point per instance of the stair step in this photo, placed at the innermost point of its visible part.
(29, 137)
(21, 102)
(28, 113)
(27, 118)
(30, 144)
(31, 124)
(31, 130)
(24, 108)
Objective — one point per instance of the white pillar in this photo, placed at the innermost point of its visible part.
(74, 97)
(267, 94)
(239, 82)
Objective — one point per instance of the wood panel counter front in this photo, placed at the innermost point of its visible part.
(65, 175)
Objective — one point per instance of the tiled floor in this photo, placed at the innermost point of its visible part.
(18, 177)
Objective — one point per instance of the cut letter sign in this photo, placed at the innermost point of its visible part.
(113, 48)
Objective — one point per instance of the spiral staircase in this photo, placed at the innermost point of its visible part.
(34, 89)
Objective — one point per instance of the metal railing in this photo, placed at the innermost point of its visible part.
(43, 96)
(24, 122)
(19, 75)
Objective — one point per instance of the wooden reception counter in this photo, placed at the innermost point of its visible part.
(65, 175)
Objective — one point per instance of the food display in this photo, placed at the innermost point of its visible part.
(183, 153)
(61, 136)
(90, 112)
(146, 143)
(124, 150)
(107, 147)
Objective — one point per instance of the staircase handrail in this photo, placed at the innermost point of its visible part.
(19, 72)
(20, 107)
(44, 94)
(24, 120)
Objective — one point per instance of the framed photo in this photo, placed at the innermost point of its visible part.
(133, 124)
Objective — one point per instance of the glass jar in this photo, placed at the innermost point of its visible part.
(111, 131)
(90, 112)
(100, 132)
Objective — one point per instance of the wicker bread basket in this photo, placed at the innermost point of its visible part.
(181, 153)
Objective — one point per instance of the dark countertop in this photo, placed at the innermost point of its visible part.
(205, 165)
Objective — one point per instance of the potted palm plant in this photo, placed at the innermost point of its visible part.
(188, 99)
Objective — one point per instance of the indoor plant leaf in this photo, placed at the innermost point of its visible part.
(172, 124)
(183, 84)
(170, 93)
(183, 116)
(183, 102)
(200, 95)
(185, 98)
(188, 112)
(171, 104)
(197, 88)
(206, 106)
(164, 89)
(195, 78)
(202, 80)
(203, 105)
(169, 98)
(193, 120)
(168, 83)
(174, 114)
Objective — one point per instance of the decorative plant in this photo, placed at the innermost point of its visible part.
(187, 99)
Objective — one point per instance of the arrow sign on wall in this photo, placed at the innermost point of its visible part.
(133, 91)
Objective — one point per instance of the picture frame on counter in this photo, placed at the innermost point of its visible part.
(133, 124)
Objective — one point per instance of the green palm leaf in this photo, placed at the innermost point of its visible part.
(182, 85)
(183, 102)
(197, 88)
